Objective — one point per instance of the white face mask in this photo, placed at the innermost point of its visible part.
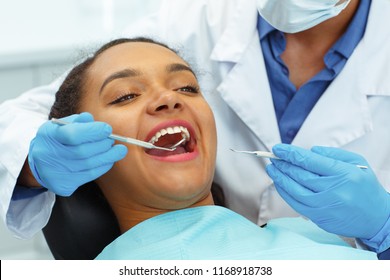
(293, 16)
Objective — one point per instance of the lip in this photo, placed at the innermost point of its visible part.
(180, 157)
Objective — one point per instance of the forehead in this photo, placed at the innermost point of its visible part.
(136, 54)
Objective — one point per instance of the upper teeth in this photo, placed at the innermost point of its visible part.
(171, 130)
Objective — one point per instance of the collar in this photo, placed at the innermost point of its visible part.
(355, 31)
(264, 28)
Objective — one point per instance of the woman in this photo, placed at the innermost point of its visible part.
(162, 200)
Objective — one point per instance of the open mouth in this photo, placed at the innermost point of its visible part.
(169, 136)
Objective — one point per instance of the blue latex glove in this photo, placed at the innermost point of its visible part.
(326, 186)
(62, 158)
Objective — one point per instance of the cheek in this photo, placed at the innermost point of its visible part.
(123, 178)
(90, 101)
(207, 118)
(208, 132)
(123, 122)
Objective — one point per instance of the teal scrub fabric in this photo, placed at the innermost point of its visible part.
(213, 232)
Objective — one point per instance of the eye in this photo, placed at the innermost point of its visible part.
(124, 97)
(190, 89)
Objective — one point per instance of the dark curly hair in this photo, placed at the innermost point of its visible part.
(68, 96)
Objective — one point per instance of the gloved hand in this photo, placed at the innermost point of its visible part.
(326, 186)
(62, 158)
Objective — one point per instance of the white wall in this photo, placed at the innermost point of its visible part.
(40, 39)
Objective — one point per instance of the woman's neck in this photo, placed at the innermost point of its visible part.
(130, 215)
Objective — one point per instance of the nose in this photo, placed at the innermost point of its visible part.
(166, 102)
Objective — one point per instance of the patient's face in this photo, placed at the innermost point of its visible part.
(147, 92)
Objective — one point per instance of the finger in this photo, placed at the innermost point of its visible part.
(80, 118)
(296, 191)
(309, 160)
(93, 174)
(303, 177)
(99, 171)
(294, 204)
(315, 214)
(111, 156)
(83, 118)
(339, 154)
(85, 150)
(67, 188)
(291, 198)
(79, 133)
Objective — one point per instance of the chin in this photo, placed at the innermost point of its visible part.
(185, 190)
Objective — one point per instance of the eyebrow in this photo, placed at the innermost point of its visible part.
(126, 73)
(120, 75)
(177, 67)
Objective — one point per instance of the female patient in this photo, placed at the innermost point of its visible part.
(162, 200)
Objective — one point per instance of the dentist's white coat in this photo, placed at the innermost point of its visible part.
(219, 38)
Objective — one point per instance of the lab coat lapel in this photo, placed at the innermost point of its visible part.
(339, 117)
(245, 88)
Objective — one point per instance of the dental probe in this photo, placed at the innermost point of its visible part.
(264, 154)
(129, 140)
(261, 154)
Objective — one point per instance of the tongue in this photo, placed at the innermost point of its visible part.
(160, 153)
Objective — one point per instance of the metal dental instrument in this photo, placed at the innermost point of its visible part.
(257, 153)
(178, 143)
(264, 154)
(129, 140)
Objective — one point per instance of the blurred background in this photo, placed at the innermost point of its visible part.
(41, 39)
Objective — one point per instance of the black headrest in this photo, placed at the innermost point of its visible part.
(81, 225)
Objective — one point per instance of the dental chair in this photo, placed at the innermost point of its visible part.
(81, 225)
